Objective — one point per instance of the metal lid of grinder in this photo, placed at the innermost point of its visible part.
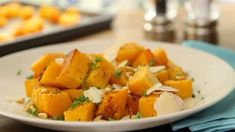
(157, 25)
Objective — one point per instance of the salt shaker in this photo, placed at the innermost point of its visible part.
(158, 21)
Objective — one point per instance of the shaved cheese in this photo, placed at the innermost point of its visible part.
(168, 103)
(160, 87)
(122, 64)
(116, 86)
(110, 54)
(155, 69)
(94, 94)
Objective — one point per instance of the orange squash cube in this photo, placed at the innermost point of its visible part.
(30, 84)
(146, 105)
(184, 87)
(132, 105)
(161, 56)
(129, 51)
(142, 80)
(84, 112)
(39, 65)
(51, 101)
(74, 93)
(50, 13)
(162, 76)
(113, 105)
(50, 74)
(74, 70)
(146, 57)
(120, 76)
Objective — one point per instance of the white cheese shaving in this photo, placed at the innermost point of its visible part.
(110, 54)
(160, 87)
(116, 86)
(94, 94)
(168, 103)
(155, 69)
(122, 64)
(59, 61)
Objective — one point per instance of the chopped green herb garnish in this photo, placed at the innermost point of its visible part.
(110, 119)
(79, 101)
(198, 91)
(30, 77)
(145, 93)
(193, 96)
(61, 118)
(92, 66)
(117, 73)
(18, 73)
(151, 62)
(138, 115)
(98, 59)
(33, 111)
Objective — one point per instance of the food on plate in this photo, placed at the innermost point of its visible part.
(137, 82)
(26, 12)
(34, 19)
(69, 17)
(29, 26)
(49, 13)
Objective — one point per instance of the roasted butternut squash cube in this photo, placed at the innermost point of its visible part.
(30, 84)
(50, 74)
(50, 13)
(146, 57)
(129, 51)
(13, 9)
(51, 101)
(39, 65)
(176, 73)
(184, 87)
(74, 70)
(113, 105)
(132, 105)
(121, 76)
(162, 76)
(142, 80)
(100, 72)
(83, 112)
(146, 105)
(67, 19)
(74, 93)
(26, 12)
(161, 56)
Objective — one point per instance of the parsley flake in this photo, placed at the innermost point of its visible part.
(79, 101)
(30, 77)
(151, 62)
(18, 73)
(98, 59)
(117, 73)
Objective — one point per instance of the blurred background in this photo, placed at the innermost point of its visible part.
(120, 20)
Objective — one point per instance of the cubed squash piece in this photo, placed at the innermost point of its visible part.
(146, 105)
(132, 105)
(113, 105)
(121, 76)
(74, 93)
(100, 72)
(74, 70)
(176, 73)
(142, 80)
(161, 56)
(51, 101)
(50, 13)
(162, 76)
(50, 74)
(146, 57)
(30, 84)
(129, 51)
(83, 112)
(39, 65)
(184, 87)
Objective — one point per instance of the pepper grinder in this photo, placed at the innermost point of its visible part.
(158, 26)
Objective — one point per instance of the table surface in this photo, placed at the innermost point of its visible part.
(123, 29)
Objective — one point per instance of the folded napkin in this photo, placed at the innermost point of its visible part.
(220, 117)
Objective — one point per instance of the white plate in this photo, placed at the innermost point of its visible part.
(213, 77)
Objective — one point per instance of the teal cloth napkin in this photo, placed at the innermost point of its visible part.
(220, 117)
